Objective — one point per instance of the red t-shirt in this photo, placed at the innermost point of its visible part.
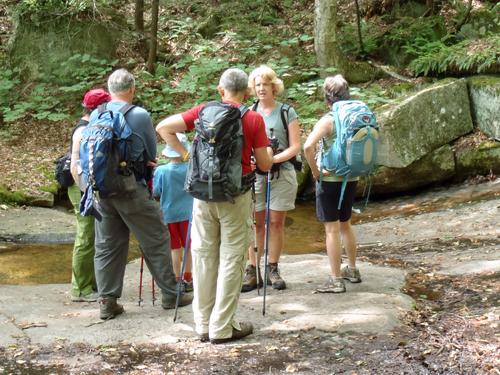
(254, 132)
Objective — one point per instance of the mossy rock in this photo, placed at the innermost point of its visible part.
(209, 26)
(420, 123)
(12, 197)
(41, 50)
(360, 71)
(484, 93)
(478, 160)
(434, 168)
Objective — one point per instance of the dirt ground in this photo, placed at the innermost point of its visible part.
(450, 254)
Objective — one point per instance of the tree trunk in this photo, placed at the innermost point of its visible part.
(328, 54)
(153, 39)
(358, 22)
(139, 28)
(430, 7)
(139, 16)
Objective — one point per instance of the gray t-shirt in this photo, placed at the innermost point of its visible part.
(273, 121)
(143, 138)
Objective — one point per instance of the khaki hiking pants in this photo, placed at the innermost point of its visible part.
(219, 244)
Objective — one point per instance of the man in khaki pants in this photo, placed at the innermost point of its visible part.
(220, 230)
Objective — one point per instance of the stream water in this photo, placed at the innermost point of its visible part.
(45, 264)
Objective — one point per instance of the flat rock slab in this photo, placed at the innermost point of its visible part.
(472, 261)
(48, 316)
(37, 225)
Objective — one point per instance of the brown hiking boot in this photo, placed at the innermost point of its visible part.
(274, 278)
(168, 300)
(246, 328)
(109, 308)
(250, 279)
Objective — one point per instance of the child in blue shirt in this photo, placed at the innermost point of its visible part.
(176, 204)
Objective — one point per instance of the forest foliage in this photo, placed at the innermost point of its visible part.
(198, 39)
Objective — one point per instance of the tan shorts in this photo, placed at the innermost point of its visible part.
(283, 191)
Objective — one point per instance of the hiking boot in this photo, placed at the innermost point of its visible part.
(250, 279)
(109, 308)
(274, 278)
(204, 337)
(188, 286)
(168, 300)
(332, 285)
(246, 328)
(91, 297)
(351, 274)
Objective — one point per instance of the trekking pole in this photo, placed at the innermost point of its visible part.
(255, 248)
(183, 267)
(140, 278)
(266, 237)
(153, 289)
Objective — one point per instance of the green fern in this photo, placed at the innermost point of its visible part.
(468, 56)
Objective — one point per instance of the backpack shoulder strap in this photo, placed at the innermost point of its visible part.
(255, 105)
(244, 109)
(126, 108)
(101, 108)
(284, 119)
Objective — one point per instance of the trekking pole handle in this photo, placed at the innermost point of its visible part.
(274, 142)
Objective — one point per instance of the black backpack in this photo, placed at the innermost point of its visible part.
(296, 160)
(214, 169)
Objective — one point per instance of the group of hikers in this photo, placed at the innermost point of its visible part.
(217, 225)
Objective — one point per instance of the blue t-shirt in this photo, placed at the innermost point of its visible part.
(168, 185)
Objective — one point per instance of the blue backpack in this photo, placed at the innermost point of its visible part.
(354, 152)
(104, 156)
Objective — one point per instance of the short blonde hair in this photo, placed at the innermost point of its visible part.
(267, 74)
(336, 88)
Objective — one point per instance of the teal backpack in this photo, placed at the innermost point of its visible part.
(354, 152)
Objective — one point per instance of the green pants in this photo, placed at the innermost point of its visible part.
(83, 277)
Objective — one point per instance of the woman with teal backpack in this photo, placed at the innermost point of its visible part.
(337, 221)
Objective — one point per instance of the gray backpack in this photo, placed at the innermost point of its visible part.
(214, 169)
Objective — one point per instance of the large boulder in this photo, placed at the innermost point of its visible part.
(43, 50)
(423, 122)
(435, 167)
(485, 97)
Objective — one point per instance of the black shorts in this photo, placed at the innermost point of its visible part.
(327, 201)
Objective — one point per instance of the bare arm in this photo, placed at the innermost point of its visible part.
(75, 152)
(323, 128)
(263, 158)
(167, 129)
(294, 143)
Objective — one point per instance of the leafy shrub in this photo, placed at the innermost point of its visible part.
(49, 101)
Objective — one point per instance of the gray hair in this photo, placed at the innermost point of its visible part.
(234, 80)
(120, 80)
(336, 88)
